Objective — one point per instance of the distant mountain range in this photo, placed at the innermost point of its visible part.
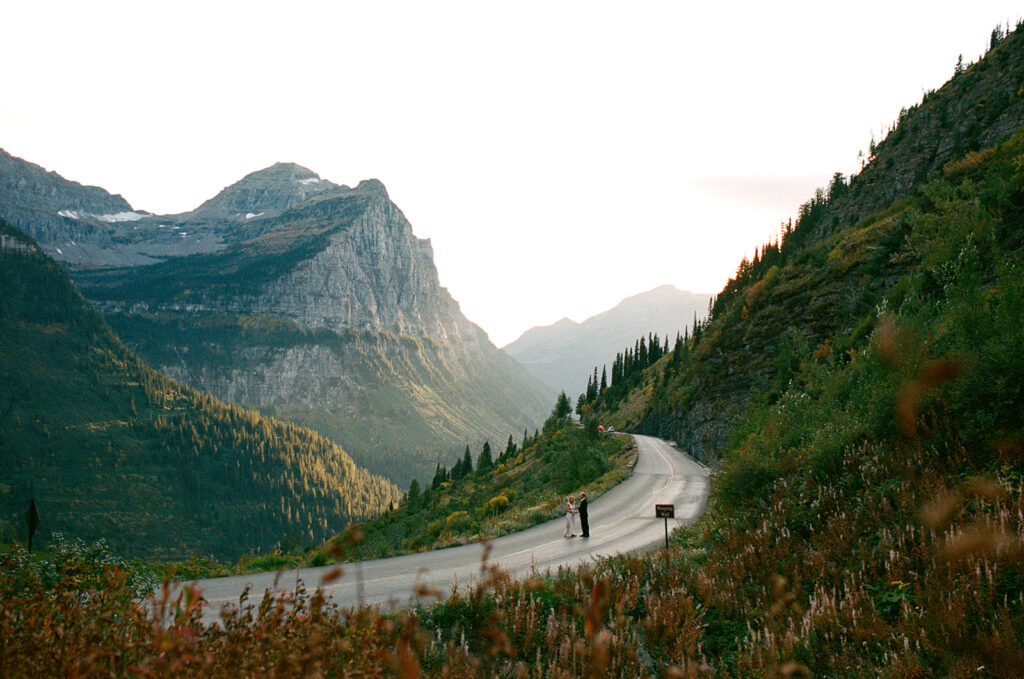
(310, 301)
(563, 355)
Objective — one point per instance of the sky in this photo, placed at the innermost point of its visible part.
(560, 156)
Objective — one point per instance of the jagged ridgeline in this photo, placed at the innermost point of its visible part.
(109, 448)
(819, 286)
(309, 301)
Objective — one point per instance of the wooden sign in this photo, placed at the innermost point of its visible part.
(665, 511)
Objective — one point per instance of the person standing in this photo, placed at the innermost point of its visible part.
(584, 521)
(570, 518)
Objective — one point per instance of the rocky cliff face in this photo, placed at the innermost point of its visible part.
(372, 275)
(329, 313)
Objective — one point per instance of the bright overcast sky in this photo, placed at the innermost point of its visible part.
(559, 155)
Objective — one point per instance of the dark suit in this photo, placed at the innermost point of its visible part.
(584, 521)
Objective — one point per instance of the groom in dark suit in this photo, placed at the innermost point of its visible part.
(584, 521)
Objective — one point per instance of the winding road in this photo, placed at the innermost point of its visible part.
(621, 520)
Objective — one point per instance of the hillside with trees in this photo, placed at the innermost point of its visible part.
(818, 285)
(111, 449)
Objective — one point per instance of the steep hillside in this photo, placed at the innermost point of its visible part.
(827, 277)
(331, 315)
(111, 449)
(562, 355)
(861, 387)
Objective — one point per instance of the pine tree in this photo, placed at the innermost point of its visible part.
(484, 463)
(440, 476)
(562, 406)
(604, 378)
(510, 448)
(413, 496)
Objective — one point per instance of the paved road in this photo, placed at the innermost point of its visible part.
(621, 520)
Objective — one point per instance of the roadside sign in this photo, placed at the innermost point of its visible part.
(665, 512)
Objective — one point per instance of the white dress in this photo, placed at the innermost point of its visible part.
(570, 521)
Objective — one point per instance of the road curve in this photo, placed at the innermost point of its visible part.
(621, 520)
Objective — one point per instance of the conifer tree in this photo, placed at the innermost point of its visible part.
(510, 448)
(440, 476)
(484, 463)
(413, 496)
(562, 406)
(604, 378)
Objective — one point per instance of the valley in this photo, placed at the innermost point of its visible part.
(846, 422)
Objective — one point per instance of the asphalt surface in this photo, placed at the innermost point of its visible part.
(621, 520)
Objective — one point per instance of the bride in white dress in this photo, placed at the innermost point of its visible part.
(570, 518)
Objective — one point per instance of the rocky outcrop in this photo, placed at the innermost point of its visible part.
(374, 275)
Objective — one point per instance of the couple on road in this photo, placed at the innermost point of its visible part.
(571, 510)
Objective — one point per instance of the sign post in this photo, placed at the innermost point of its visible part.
(32, 518)
(665, 512)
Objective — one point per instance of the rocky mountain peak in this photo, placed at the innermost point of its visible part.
(265, 193)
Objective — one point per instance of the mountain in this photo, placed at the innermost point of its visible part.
(563, 355)
(324, 310)
(109, 448)
(85, 226)
(264, 193)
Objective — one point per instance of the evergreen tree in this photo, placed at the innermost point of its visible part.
(510, 449)
(580, 402)
(413, 496)
(467, 463)
(604, 378)
(440, 476)
(484, 463)
(563, 408)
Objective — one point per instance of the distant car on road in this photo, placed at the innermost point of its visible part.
(611, 430)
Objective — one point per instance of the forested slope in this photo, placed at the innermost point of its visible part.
(111, 449)
(819, 286)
